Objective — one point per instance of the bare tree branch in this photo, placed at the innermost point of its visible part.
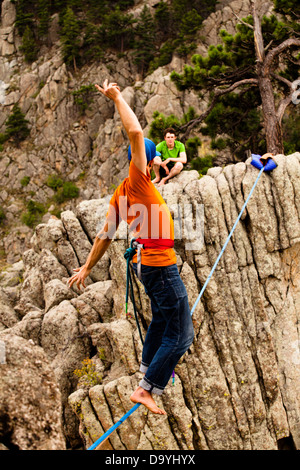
(242, 21)
(258, 37)
(282, 106)
(218, 92)
(282, 79)
(278, 50)
(269, 45)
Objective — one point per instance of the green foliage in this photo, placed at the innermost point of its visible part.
(290, 9)
(16, 126)
(202, 164)
(2, 215)
(83, 97)
(290, 131)
(161, 122)
(54, 182)
(191, 146)
(29, 46)
(43, 11)
(176, 25)
(117, 29)
(238, 116)
(144, 41)
(24, 15)
(88, 374)
(70, 38)
(67, 191)
(93, 47)
(25, 181)
(64, 190)
(91, 27)
(33, 216)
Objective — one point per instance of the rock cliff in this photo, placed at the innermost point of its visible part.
(69, 360)
(238, 385)
(86, 149)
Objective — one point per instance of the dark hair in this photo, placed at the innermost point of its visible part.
(169, 130)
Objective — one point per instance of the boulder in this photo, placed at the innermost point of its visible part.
(30, 420)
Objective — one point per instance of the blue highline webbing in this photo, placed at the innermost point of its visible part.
(115, 426)
(226, 243)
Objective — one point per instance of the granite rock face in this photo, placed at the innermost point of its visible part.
(69, 359)
(238, 385)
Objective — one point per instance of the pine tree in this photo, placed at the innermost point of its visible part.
(43, 10)
(144, 43)
(70, 37)
(17, 126)
(29, 46)
(243, 74)
(117, 29)
(24, 15)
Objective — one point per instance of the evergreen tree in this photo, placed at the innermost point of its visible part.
(177, 24)
(117, 29)
(96, 9)
(144, 43)
(16, 126)
(29, 46)
(24, 15)
(43, 10)
(70, 37)
(243, 75)
(163, 20)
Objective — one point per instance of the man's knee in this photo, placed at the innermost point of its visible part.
(157, 161)
(178, 166)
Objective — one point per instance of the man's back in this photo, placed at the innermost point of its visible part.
(138, 202)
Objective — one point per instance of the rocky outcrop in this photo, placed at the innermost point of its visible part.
(30, 414)
(238, 385)
(69, 359)
(87, 148)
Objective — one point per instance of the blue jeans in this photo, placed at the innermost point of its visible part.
(170, 332)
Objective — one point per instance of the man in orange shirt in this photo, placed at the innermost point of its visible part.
(137, 201)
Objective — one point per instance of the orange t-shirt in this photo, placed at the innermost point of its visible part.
(138, 202)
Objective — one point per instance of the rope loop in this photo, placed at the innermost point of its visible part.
(130, 252)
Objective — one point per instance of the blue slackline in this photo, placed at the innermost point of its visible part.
(226, 243)
(115, 426)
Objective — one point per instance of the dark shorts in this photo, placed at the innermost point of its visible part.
(162, 171)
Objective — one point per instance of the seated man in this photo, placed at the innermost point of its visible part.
(173, 157)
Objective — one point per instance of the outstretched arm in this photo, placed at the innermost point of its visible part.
(130, 123)
(101, 244)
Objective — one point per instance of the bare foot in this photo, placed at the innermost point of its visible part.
(163, 181)
(143, 396)
(156, 180)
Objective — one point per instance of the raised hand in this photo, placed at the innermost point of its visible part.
(110, 90)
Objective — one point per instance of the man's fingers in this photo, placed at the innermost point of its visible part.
(106, 87)
(99, 89)
(71, 282)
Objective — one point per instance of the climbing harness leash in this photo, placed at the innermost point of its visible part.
(258, 162)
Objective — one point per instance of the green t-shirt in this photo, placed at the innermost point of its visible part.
(170, 153)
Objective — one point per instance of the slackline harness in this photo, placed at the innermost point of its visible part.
(263, 164)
